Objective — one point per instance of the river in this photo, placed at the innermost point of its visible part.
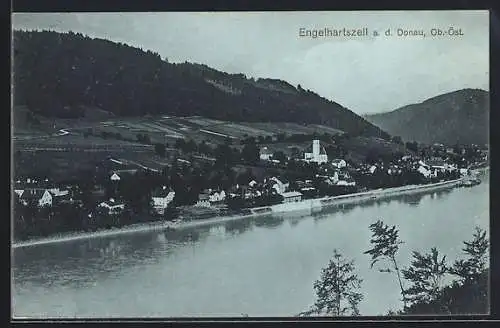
(263, 266)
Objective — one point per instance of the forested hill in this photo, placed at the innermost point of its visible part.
(457, 117)
(57, 74)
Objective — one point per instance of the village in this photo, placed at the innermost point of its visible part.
(179, 193)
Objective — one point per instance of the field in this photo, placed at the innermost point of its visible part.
(63, 146)
(168, 129)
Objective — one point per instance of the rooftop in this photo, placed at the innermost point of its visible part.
(161, 192)
(291, 194)
(32, 193)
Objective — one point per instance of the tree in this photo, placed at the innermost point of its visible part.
(412, 146)
(160, 149)
(250, 153)
(426, 275)
(190, 146)
(386, 242)
(397, 139)
(146, 139)
(280, 156)
(224, 156)
(476, 251)
(204, 148)
(337, 287)
(468, 295)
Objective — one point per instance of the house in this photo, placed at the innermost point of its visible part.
(252, 183)
(318, 154)
(308, 192)
(203, 200)
(450, 167)
(292, 196)
(19, 192)
(464, 172)
(424, 170)
(437, 164)
(394, 169)
(346, 182)
(60, 196)
(265, 154)
(217, 197)
(115, 177)
(41, 197)
(339, 163)
(333, 179)
(119, 174)
(161, 198)
(112, 207)
(279, 185)
(58, 192)
(372, 169)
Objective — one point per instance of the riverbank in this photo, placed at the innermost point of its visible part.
(309, 204)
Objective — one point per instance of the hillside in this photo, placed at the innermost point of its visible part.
(61, 74)
(456, 117)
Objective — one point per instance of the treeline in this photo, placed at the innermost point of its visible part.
(58, 74)
(339, 289)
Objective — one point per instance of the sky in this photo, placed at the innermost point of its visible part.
(367, 74)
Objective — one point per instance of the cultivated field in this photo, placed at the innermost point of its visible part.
(197, 128)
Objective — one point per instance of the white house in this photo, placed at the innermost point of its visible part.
(292, 196)
(424, 170)
(61, 196)
(252, 183)
(112, 206)
(346, 182)
(339, 163)
(19, 192)
(318, 154)
(279, 186)
(203, 200)
(58, 192)
(115, 177)
(40, 196)
(450, 167)
(217, 197)
(372, 169)
(161, 198)
(437, 164)
(265, 154)
(464, 171)
(332, 179)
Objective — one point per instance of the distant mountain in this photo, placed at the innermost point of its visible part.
(456, 117)
(61, 74)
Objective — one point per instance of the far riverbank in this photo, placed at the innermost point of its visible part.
(255, 212)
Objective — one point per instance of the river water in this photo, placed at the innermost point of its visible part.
(261, 267)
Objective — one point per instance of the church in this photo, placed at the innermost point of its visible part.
(318, 154)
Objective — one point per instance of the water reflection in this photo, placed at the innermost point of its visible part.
(441, 194)
(238, 226)
(411, 199)
(327, 211)
(270, 221)
(187, 236)
(294, 221)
